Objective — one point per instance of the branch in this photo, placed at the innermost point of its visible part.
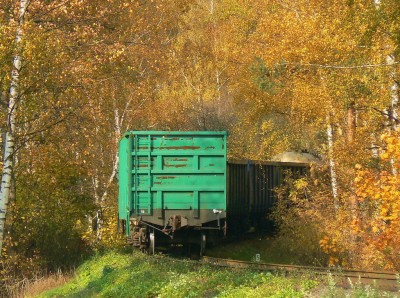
(373, 147)
(387, 114)
(50, 10)
(342, 66)
(47, 127)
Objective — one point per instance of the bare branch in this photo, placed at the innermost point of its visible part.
(342, 66)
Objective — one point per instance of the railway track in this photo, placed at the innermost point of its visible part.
(384, 280)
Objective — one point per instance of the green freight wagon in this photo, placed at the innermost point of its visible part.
(172, 187)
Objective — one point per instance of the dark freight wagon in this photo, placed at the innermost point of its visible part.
(251, 192)
(172, 186)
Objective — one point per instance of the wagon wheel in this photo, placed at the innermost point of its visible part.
(152, 243)
(203, 240)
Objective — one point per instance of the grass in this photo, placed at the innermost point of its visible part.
(31, 288)
(123, 274)
(246, 250)
(137, 275)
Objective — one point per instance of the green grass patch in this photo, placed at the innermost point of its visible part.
(246, 250)
(138, 275)
(118, 274)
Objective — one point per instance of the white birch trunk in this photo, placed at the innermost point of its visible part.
(394, 96)
(117, 135)
(212, 7)
(374, 146)
(100, 197)
(332, 164)
(9, 148)
(394, 101)
(101, 200)
(95, 183)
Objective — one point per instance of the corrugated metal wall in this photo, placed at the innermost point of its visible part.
(251, 192)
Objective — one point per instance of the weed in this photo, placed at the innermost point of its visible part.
(31, 288)
(138, 275)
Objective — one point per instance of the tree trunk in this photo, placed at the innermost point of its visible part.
(9, 148)
(102, 198)
(332, 164)
(351, 122)
(394, 96)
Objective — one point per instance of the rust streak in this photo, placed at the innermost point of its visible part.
(180, 148)
(166, 177)
(174, 166)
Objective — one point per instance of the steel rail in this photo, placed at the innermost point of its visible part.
(344, 277)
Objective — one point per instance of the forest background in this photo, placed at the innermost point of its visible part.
(316, 76)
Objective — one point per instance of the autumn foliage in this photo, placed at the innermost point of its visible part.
(310, 76)
(360, 229)
(377, 195)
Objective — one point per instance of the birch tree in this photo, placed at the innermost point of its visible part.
(13, 101)
(392, 110)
